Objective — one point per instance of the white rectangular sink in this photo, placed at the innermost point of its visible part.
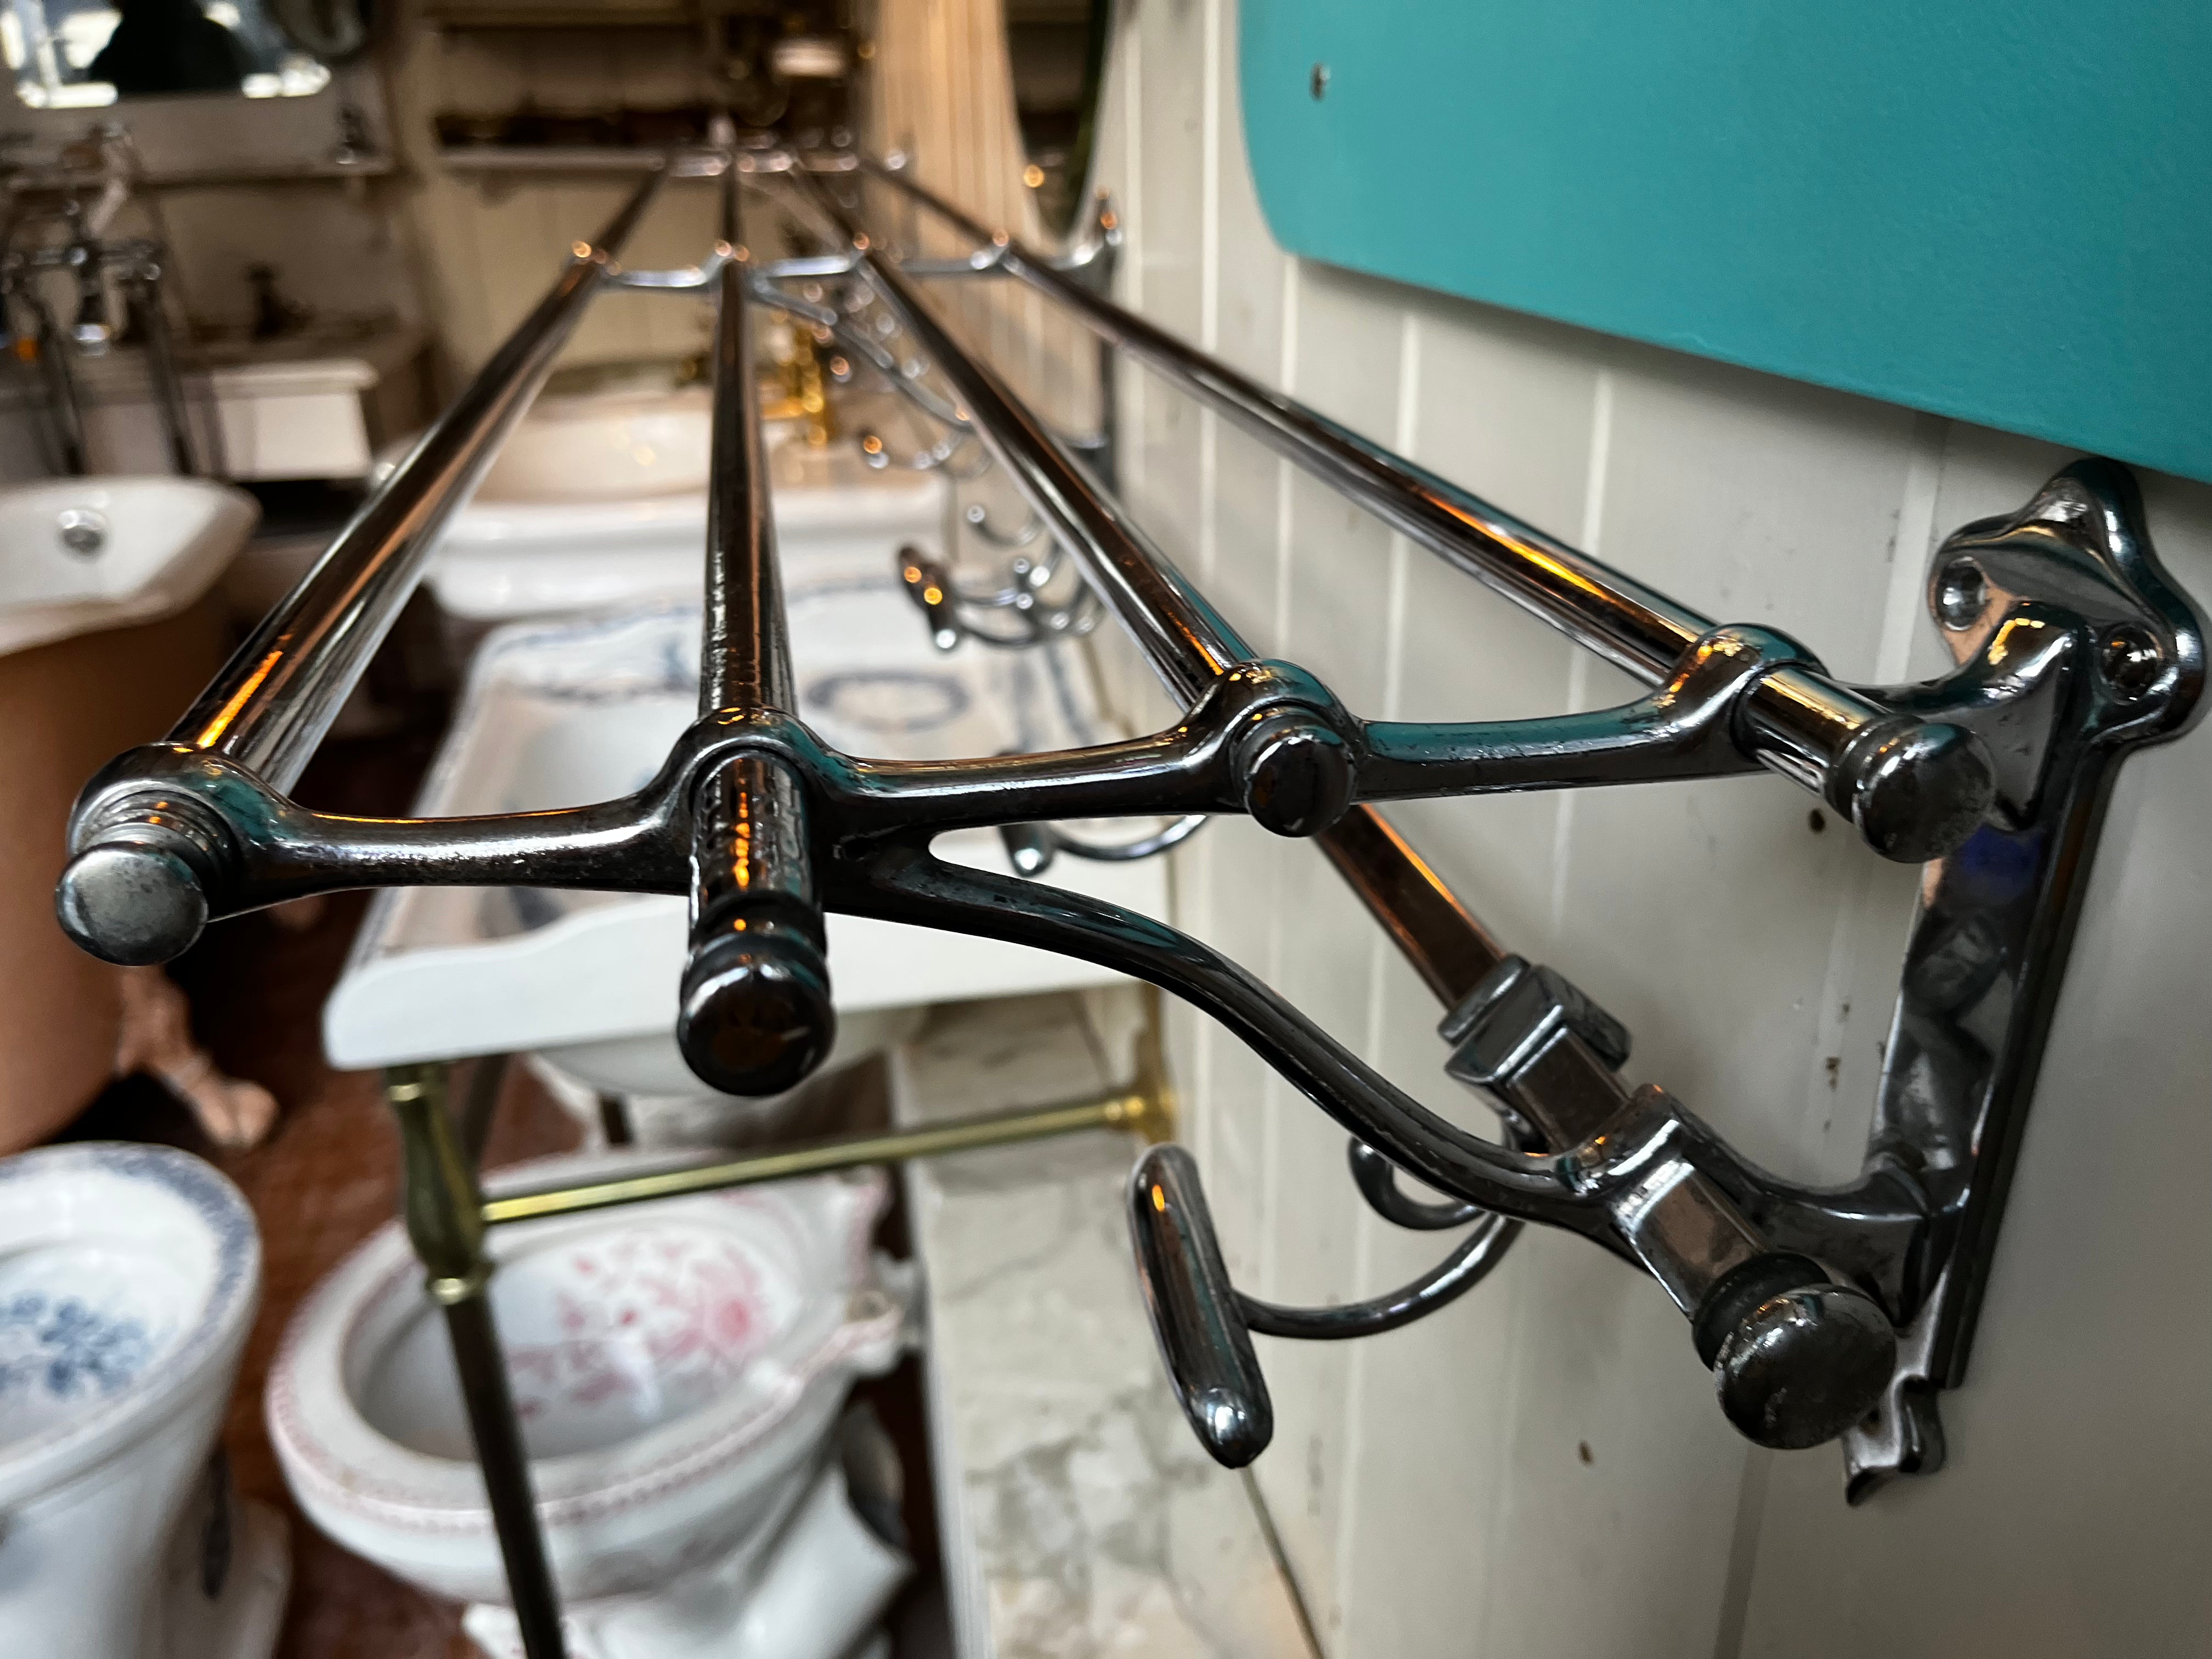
(565, 713)
(601, 500)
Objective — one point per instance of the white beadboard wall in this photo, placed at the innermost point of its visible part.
(490, 247)
(1540, 1473)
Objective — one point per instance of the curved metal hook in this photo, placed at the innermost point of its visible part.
(1467, 1265)
(930, 585)
(1377, 1178)
(979, 519)
(1129, 851)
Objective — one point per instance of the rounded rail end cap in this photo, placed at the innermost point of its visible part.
(756, 1015)
(1794, 1364)
(130, 903)
(1234, 1430)
(1297, 776)
(1915, 789)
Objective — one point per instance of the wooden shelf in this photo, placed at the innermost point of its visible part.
(288, 172)
(500, 16)
(374, 167)
(487, 158)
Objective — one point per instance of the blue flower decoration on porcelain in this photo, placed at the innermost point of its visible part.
(67, 1348)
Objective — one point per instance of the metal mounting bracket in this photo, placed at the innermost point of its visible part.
(2074, 648)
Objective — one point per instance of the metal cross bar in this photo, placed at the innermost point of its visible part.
(1144, 1109)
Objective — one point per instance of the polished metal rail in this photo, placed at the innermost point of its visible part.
(1795, 1295)
(754, 1014)
(1189, 643)
(139, 894)
(276, 696)
(1881, 772)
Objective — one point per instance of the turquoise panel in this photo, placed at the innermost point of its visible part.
(1999, 211)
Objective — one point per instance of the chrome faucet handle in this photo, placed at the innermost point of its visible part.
(1204, 1342)
(1797, 1359)
(94, 329)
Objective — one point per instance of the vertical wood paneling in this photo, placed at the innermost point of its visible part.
(1540, 1473)
(2072, 1516)
(1347, 364)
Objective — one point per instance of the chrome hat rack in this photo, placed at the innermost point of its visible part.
(1823, 1313)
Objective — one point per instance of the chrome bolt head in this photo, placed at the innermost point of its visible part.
(2129, 658)
(1961, 595)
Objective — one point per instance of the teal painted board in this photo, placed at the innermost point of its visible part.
(2002, 212)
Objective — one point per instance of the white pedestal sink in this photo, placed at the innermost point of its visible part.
(560, 714)
(601, 499)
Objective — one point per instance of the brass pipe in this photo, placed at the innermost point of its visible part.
(1145, 1112)
(441, 1208)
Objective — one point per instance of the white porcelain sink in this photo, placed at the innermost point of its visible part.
(84, 554)
(601, 500)
(558, 714)
(608, 446)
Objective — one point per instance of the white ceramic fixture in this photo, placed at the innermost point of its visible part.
(813, 1593)
(617, 444)
(561, 715)
(88, 554)
(128, 1280)
(305, 406)
(676, 1366)
(601, 499)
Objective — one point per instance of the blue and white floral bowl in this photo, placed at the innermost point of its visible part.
(125, 1272)
(128, 1280)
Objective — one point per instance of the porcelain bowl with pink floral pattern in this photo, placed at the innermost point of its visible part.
(676, 1366)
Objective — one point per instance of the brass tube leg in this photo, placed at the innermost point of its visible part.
(444, 1222)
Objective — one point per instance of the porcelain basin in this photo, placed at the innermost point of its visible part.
(601, 500)
(608, 445)
(88, 554)
(560, 714)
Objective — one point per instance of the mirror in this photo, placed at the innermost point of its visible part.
(79, 54)
(1057, 49)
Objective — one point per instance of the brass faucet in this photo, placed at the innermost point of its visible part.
(799, 390)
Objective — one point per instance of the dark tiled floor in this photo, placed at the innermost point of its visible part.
(328, 1177)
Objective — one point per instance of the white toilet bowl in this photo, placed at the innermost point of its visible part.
(676, 1366)
(128, 1280)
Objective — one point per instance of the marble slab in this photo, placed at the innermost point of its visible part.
(1081, 1517)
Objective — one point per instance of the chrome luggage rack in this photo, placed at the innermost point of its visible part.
(1823, 1313)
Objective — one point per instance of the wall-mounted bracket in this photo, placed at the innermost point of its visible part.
(2074, 648)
